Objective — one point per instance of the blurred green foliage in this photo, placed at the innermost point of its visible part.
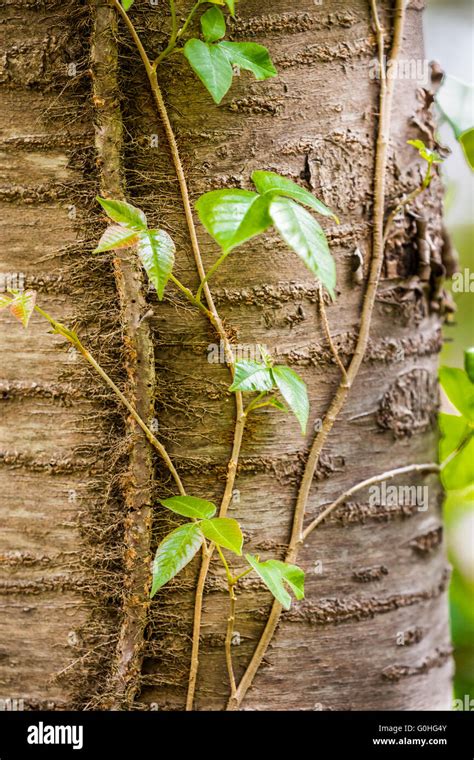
(459, 505)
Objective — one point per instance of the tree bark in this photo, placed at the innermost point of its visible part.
(372, 632)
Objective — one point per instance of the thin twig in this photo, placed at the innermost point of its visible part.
(327, 330)
(389, 475)
(74, 340)
(228, 640)
(404, 202)
(383, 132)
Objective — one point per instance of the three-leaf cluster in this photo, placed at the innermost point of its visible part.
(179, 547)
(155, 247)
(215, 60)
(262, 377)
(232, 216)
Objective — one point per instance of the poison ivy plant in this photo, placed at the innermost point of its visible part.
(233, 216)
(457, 442)
(214, 60)
(155, 247)
(179, 547)
(262, 377)
(430, 156)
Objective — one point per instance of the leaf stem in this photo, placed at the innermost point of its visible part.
(211, 271)
(189, 18)
(71, 336)
(383, 134)
(242, 575)
(176, 33)
(190, 296)
(253, 404)
(230, 578)
(406, 200)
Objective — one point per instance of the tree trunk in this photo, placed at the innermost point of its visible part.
(372, 631)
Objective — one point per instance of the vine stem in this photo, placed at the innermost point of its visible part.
(206, 561)
(407, 199)
(215, 321)
(404, 202)
(383, 134)
(389, 475)
(327, 330)
(231, 581)
(74, 340)
(228, 640)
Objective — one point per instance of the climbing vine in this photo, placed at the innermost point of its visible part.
(233, 216)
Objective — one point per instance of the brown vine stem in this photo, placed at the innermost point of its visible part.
(327, 330)
(383, 134)
(389, 475)
(74, 340)
(216, 321)
(404, 202)
(228, 641)
(231, 581)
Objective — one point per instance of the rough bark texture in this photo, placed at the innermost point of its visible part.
(373, 572)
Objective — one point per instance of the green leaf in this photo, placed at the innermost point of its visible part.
(224, 532)
(23, 305)
(213, 24)
(459, 390)
(249, 56)
(305, 236)
(156, 252)
(231, 6)
(211, 66)
(431, 156)
(293, 390)
(275, 574)
(467, 142)
(4, 301)
(251, 375)
(126, 4)
(115, 237)
(459, 472)
(270, 182)
(469, 363)
(124, 213)
(190, 506)
(174, 553)
(233, 216)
